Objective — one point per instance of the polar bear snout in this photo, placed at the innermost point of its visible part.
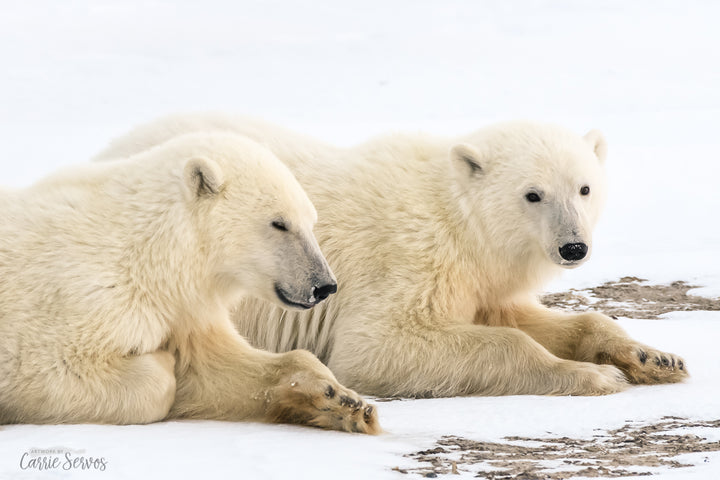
(298, 300)
(307, 279)
(573, 252)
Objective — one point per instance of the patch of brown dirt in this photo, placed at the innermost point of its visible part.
(632, 450)
(632, 297)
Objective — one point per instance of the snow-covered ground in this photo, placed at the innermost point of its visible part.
(647, 73)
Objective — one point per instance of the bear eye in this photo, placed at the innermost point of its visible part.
(279, 225)
(532, 197)
(585, 190)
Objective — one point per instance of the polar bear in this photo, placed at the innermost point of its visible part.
(441, 246)
(117, 282)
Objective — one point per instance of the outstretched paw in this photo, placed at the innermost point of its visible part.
(332, 407)
(310, 395)
(584, 378)
(642, 364)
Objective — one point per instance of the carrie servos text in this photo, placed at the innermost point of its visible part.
(60, 459)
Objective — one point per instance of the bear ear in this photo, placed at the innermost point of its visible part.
(597, 141)
(203, 177)
(466, 159)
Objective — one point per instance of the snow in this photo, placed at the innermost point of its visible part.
(77, 73)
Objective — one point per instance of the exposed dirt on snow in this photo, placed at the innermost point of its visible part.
(632, 297)
(633, 450)
(636, 449)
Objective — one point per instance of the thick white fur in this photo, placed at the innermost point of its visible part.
(117, 282)
(440, 256)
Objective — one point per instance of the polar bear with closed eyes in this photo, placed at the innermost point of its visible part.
(118, 279)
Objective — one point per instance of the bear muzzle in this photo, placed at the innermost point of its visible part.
(317, 295)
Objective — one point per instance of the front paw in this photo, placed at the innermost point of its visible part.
(585, 378)
(645, 365)
(307, 393)
(343, 409)
(324, 404)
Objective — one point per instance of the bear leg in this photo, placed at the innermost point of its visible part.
(594, 337)
(421, 360)
(220, 376)
(135, 389)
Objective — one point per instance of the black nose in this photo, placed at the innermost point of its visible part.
(321, 293)
(573, 251)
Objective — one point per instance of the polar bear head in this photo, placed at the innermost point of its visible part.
(534, 191)
(255, 221)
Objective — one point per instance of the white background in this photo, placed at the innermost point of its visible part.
(647, 73)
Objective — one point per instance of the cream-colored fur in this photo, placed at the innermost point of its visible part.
(441, 246)
(117, 280)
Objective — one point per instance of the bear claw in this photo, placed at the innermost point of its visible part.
(367, 414)
(645, 365)
(346, 401)
(330, 391)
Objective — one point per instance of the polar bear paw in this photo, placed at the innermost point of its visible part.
(310, 395)
(583, 378)
(645, 365)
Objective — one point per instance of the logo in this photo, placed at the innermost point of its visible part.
(60, 458)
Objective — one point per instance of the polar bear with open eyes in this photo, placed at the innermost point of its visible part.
(117, 283)
(441, 246)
